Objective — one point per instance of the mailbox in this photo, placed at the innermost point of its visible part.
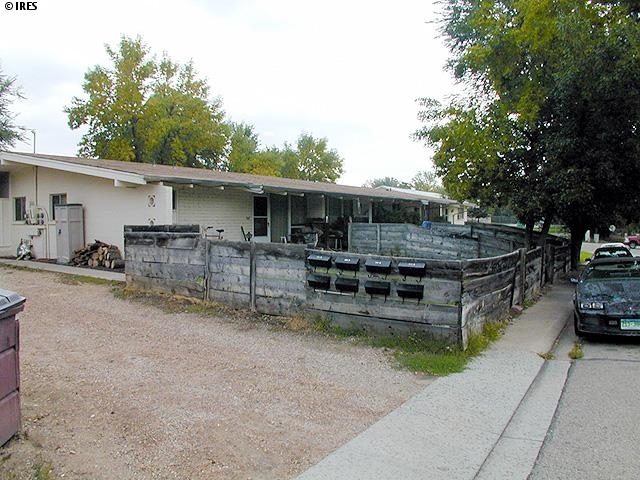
(319, 282)
(412, 269)
(378, 266)
(319, 260)
(376, 287)
(350, 285)
(348, 263)
(410, 290)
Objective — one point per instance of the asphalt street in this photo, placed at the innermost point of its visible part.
(594, 432)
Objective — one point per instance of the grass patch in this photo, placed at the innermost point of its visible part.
(547, 355)
(43, 471)
(169, 303)
(576, 352)
(69, 279)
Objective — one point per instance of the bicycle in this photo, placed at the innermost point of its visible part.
(219, 231)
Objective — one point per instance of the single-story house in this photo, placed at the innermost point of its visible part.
(438, 207)
(112, 194)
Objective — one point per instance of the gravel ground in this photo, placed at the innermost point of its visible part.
(114, 388)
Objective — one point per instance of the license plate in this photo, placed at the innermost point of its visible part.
(630, 324)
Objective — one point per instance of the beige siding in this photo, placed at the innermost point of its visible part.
(106, 208)
(228, 209)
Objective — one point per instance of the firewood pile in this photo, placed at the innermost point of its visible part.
(98, 254)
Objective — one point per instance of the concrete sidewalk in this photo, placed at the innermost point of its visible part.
(487, 422)
(54, 267)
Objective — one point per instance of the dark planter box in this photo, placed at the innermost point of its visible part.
(347, 263)
(319, 282)
(412, 269)
(410, 290)
(319, 260)
(376, 287)
(378, 266)
(347, 285)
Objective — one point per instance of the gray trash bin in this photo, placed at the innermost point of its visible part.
(10, 305)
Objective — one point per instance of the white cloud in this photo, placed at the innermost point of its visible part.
(346, 70)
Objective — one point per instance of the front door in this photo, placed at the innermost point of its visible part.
(261, 219)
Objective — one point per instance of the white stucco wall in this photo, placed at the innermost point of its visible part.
(107, 208)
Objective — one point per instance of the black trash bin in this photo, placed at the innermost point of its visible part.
(10, 305)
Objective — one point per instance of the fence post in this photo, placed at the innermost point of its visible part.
(207, 267)
(523, 275)
(252, 276)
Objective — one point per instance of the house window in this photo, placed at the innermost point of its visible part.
(57, 199)
(20, 209)
(4, 185)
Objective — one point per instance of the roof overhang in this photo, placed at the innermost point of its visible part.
(120, 179)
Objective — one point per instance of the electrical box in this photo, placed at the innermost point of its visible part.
(69, 230)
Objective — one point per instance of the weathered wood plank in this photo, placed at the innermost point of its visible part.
(487, 266)
(378, 308)
(478, 286)
(380, 326)
(181, 287)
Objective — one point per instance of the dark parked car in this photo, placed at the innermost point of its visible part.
(607, 297)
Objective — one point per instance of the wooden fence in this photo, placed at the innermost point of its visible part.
(448, 298)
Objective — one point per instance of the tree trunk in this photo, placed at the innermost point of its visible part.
(528, 238)
(577, 234)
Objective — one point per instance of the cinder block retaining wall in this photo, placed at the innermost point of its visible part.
(458, 296)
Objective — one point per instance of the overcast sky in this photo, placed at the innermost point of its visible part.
(347, 70)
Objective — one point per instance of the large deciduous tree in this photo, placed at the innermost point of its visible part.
(312, 159)
(551, 128)
(10, 133)
(144, 110)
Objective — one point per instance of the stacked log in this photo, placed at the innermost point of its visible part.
(98, 254)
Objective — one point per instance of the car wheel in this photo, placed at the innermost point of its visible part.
(633, 244)
(576, 329)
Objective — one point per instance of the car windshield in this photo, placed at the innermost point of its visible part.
(612, 252)
(612, 270)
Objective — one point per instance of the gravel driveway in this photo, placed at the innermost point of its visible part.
(113, 388)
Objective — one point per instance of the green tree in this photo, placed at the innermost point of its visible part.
(10, 133)
(311, 160)
(386, 181)
(427, 181)
(246, 157)
(554, 103)
(244, 144)
(145, 110)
